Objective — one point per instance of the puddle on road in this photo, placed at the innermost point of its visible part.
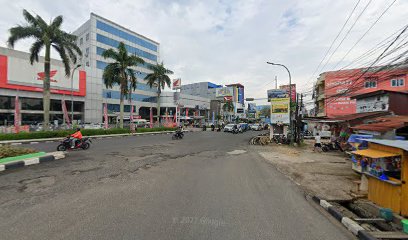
(236, 152)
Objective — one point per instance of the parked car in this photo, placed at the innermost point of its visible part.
(243, 127)
(256, 127)
(229, 127)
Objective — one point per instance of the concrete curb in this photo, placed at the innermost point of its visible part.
(48, 140)
(31, 161)
(351, 225)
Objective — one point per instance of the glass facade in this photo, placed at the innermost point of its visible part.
(7, 102)
(122, 34)
(135, 97)
(113, 43)
(100, 50)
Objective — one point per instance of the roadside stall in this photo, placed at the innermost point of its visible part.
(385, 164)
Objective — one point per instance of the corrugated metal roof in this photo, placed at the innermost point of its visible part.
(373, 153)
(401, 144)
(384, 124)
(359, 115)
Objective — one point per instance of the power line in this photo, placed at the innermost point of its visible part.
(368, 30)
(347, 33)
(335, 39)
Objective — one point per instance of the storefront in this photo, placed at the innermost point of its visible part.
(385, 164)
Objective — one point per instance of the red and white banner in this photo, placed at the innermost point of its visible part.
(105, 115)
(176, 84)
(186, 112)
(65, 112)
(17, 116)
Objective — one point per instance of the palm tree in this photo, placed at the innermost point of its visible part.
(120, 72)
(159, 79)
(228, 106)
(46, 36)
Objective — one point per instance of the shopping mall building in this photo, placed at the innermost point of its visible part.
(19, 78)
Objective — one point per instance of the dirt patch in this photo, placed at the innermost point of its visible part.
(327, 175)
(38, 184)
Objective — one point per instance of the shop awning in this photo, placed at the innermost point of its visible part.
(371, 153)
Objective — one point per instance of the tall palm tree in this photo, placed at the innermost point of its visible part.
(159, 78)
(120, 72)
(46, 36)
(228, 106)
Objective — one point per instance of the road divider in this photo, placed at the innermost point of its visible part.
(29, 159)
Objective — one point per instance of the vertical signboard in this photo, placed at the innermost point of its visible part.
(277, 93)
(280, 110)
(251, 107)
(293, 93)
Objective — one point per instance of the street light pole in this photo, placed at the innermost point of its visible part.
(290, 100)
(72, 93)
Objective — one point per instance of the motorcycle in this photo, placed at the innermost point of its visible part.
(177, 135)
(332, 146)
(83, 143)
(235, 131)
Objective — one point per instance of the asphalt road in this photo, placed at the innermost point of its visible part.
(207, 186)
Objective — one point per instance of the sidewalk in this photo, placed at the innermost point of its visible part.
(325, 175)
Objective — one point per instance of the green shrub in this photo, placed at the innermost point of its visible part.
(85, 132)
(8, 151)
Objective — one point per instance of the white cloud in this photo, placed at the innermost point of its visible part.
(227, 41)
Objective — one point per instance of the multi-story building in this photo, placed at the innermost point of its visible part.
(202, 89)
(19, 78)
(334, 89)
(94, 37)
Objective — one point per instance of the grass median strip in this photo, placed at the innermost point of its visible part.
(21, 157)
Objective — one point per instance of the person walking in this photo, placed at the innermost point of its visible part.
(317, 142)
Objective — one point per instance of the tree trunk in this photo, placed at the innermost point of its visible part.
(158, 107)
(122, 108)
(46, 88)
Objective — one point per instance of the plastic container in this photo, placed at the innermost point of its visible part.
(405, 225)
(386, 213)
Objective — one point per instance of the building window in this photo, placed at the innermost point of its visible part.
(87, 64)
(124, 35)
(370, 84)
(87, 37)
(87, 52)
(81, 40)
(397, 82)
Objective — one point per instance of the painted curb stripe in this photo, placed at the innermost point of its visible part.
(316, 199)
(364, 235)
(13, 165)
(335, 213)
(47, 158)
(31, 161)
(2, 168)
(351, 225)
(325, 204)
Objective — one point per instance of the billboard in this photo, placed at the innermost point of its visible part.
(252, 107)
(276, 93)
(224, 92)
(293, 94)
(18, 74)
(176, 84)
(280, 110)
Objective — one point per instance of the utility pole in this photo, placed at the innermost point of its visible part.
(297, 118)
(290, 100)
(276, 82)
(301, 114)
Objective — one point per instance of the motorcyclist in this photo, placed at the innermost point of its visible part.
(75, 137)
(179, 130)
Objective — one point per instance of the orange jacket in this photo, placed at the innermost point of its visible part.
(77, 135)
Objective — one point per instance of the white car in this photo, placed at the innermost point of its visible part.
(256, 127)
(229, 127)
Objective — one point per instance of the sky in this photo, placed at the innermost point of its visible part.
(230, 41)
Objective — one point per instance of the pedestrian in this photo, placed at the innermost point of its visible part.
(317, 142)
